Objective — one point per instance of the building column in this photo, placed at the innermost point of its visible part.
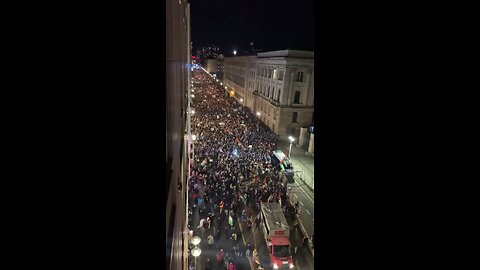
(310, 145)
(303, 137)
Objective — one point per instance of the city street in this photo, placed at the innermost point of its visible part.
(230, 179)
(301, 189)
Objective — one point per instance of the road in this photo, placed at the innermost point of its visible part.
(250, 237)
(301, 188)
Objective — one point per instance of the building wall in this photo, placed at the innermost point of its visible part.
(220, 68)
(238, 76)
(212, 66)
(269, 82)
(178, 76)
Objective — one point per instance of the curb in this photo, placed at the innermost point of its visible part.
(305, 184)
(304, 232)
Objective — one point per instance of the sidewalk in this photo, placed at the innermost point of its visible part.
(303, 164)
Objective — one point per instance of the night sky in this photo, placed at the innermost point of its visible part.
(270, 24)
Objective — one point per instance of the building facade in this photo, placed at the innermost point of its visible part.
(279, 85)
(212, 66)
(239, 76)
(178, 74)
(220, 68)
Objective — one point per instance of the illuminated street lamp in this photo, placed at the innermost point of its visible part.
(241, 100)
(193, 95)
(196, 240)
(258, 119)
(234, 52)
(195, 253)
(194, 137)
(291, 141)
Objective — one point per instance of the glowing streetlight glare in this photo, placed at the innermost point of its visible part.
(241, 100)
(196, 240)
(194, 137)
(291, 141)
(225, 87)
(193, 111)
(193, 95)
(234, 52)
(258, 113)
(196, 252)
(221, 83)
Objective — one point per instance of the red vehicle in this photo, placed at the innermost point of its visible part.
(276, 232)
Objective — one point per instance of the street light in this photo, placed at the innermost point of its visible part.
(194, 137)
(193, 112)
(241, 100)
(234, 52)
(258, 120)
(291, 141)
(195, 253)
(196, 240)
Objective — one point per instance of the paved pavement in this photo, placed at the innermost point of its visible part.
(302, 163)
(301, 190)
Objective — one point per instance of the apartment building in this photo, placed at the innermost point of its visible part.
(277, 84)
(178, 74)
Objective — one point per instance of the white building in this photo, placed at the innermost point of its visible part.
(278, 84)
(212, 66)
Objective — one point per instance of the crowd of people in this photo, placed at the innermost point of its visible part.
(232, 171)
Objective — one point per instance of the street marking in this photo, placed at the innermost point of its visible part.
(301, 203)
(243, 236)
(295, 195)
(307, 212)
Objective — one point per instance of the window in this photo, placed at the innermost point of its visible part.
(294, 117)
(296, 99)
(280, 75)
(300, 77)
(274, 73)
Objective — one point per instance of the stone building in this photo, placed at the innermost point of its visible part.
(278, 84)
(178, 75)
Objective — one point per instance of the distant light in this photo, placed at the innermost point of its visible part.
(225, 87)
(241, 100)
(291, 138)
(193, 95)
(258, 113)
(193, 111)
(196, 252)
(221, 83)
(234, 52)
(251, 43)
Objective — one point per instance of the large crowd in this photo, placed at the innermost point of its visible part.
(232, 171)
